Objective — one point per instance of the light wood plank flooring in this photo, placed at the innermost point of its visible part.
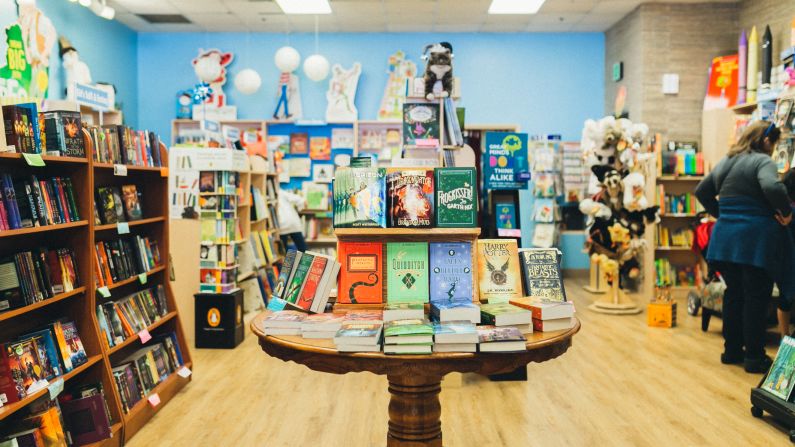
(621, 383)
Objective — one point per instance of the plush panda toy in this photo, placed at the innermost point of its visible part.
(438, 70)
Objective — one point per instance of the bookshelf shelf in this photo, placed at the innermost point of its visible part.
(419, 232)
(246, 276)
(129, 167)
(131, 340)
(114, 440)
(323, 240)
(674, 249)
(10, 409)
(43, 229)
(5, 156)
(689, 178)
(678, 215)
(23, 310)
(744, 109)
(131, 224)
(140, 414)
(133, 279)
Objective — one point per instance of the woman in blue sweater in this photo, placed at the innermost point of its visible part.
(750, 244)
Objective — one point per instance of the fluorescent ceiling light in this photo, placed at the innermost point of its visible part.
(304, 6)
(514, 6)
(107, 12)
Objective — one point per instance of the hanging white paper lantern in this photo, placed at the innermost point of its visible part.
(287, 59)
(247, 81)
(207, 69)
(316, 67)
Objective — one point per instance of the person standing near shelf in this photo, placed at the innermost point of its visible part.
(750, 244)
(290, 226)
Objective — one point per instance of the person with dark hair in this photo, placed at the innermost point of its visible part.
(751, 246)
(785, 302)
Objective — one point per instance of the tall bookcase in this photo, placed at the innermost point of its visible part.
(80, 304)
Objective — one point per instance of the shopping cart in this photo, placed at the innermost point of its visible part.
(710, 298)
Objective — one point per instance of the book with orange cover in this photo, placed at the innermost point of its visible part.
(126, 324)
(361, 274)
(311, 282)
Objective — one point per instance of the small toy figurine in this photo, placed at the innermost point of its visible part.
(439, 70)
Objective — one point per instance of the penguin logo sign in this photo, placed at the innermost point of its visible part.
(213, 317)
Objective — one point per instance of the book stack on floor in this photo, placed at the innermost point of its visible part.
(34, 201)
(548, 316)
(321, 325)
(127, 317)
(507, 315)
(283, 322)
(33, 276)
(455, 336)
(408, 337)
(305, 282)
(360, 332)
(142, 371)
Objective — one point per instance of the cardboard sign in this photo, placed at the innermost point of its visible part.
(93, 97)
(145, 336)
(55, 388)
(154, 400)
(142, 278)
(123, 228)
(104, 291)
(120, 170)
(33, 159)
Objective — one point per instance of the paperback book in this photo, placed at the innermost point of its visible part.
(541, 274)
(410, 195)
(359, 198)
(451, 272)
(499, 276)
(407, 272)
(456, 197)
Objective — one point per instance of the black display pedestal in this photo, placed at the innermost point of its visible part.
(782, 411)
(219, 319)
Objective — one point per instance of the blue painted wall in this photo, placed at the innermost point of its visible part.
(109, 48)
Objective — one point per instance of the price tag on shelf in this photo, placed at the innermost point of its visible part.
(142, 278)
(104, 291)
(184, 372)
(144, 335)
(163, 172)
(1, 400)
(55, 388)
(154, 400)
(33, 159)
(120, 170)
(123, 227)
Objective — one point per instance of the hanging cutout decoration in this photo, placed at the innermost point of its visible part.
(342, 93)
(400, 71)
(287, 60)
(38, 33)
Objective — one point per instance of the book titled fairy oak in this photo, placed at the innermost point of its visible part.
(499, 277)
(456, 197)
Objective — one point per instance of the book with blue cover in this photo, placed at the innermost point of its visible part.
(454, 311)
(451, 272)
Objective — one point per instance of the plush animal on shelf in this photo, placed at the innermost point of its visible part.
(634, 185)
(76, 70)
(612, 186)
(438, 70)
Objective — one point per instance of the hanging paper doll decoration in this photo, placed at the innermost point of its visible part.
(287, 59)
(39, 36)
(401, 70)
(77, 72)
(342, 92)
(210, 67)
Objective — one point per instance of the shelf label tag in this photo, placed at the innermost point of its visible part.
(120, 170)
(142, 278)
(33, 159)
(123, 227)
(144, 336)
(55, 388)
(104, 291)
(184, 372)
(154, 400)
(163, 172)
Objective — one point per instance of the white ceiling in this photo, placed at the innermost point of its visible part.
(380, 16)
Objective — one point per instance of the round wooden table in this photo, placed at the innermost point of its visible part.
(414, 380)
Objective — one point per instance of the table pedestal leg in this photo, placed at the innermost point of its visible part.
(414, 411)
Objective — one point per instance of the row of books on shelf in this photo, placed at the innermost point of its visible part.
(114, 204)
(137, 375)
(683, 159)
(56, 132)
(680, 237)
(686, 203)
(405, 329)
(29, 362)
(127, 317)
(263, 209)
(218, 182)
(79, 416)
(118, 259)
(119, 144)
(305, 280)
(22, 133)
(29, 277)
(32, 202)
(317, 228)
(265, 251)
(219, 230)
(669, 274)
(405, 197)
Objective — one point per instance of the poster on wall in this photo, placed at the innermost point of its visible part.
(506, 163)
(183, 185)
(400, 71)
(723, 83)
(27, 47)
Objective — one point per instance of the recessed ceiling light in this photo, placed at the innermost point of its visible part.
(514, 6)
(304, 6)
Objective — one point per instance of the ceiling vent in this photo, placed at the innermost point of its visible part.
(164, 18)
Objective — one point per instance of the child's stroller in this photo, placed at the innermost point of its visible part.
(710, 298)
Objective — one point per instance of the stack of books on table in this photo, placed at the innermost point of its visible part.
(548, 316)
(500, 339)
(360, 332)
(283, 322)
(455, 336)
(413, 336)
(507, 315)
(455, 311)
(403, 311)
(321, 325)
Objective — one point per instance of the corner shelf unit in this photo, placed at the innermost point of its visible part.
(80, 304)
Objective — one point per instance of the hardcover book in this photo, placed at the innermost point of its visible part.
(361, 275)
(451, 271)
(299, 143)
(410, 198)
(455, 310)
(421, 125)
(504, 314)
(132, 204)
(455, 332)
(284, 274)
(311, 283)
(359, 333)
(407, 327)
(499, 276)
(107, 205)
(320, 148)
(500, 339)
(456, 197)
(407, 272)
(297, 283)
(359, 198)
(541, 274)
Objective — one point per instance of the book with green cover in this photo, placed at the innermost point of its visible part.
(780, 379)
(293, 291)
(407, 327)
(456, 197)
(502, 314)
(359, 197)
(407, 272)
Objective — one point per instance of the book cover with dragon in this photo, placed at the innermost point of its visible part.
(410, 197)
(456, 197)
(407, 272)
(361, 273)
(359, 197)
(499, 275)
(451, 271)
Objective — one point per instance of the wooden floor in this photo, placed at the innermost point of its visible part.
(621, 383)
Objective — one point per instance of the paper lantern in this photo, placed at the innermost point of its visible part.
(287, 59)
(247, 81)
(316, 67)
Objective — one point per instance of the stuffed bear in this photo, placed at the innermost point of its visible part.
(612, 186)
(634, 192)
(439, 69)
